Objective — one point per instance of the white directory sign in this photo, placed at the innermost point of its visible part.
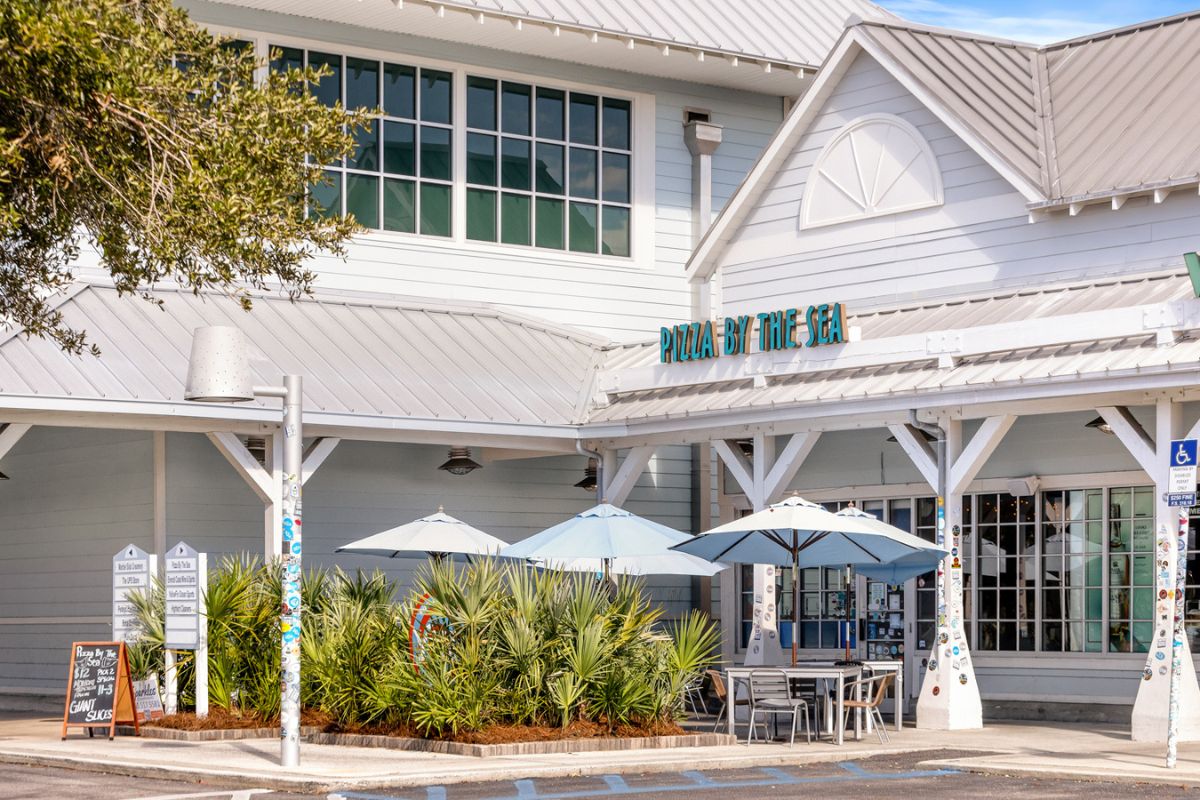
(131, 573)
(1181, 480)
(185, 577)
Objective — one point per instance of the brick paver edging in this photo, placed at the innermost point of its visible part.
(226, 734)
(524, 748)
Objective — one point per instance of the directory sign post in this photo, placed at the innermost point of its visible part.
(131, 570)
(186, 577)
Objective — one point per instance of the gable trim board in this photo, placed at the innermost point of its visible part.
(1041, 115)
(703, 261)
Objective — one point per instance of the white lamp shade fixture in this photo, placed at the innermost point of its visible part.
(219, 368)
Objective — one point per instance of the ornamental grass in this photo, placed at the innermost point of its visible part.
(509, 646)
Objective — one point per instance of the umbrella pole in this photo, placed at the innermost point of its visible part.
(849, 583)
(795, 595)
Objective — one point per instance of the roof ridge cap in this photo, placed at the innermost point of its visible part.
(951, 33)
(1124, 30)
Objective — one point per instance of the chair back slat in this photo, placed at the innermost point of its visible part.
(718, 684)
(768, 685)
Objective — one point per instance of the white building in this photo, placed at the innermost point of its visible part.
(1003, 226)
(536, 198)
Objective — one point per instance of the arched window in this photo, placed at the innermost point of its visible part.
(876, 165)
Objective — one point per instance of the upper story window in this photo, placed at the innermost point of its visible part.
(876, 165)
(547, 167)
(478, 158)
(400, 176)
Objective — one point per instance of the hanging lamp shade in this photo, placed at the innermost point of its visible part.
(589, 482)
(460, 462)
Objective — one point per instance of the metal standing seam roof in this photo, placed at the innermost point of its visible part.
(1112, 113)
(359, 356)
(798, 32)
(905, 379)
(969, 311)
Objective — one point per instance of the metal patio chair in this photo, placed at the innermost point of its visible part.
(722, 694)
(874, 691)
(770, 693)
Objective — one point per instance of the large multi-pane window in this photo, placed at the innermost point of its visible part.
(547, 167)
(1070, 552)
(1005, 597)
(542, 166)
(1064, 570)
(1131, 569)
(400, 175)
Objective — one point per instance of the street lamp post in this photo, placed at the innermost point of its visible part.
(219, 372)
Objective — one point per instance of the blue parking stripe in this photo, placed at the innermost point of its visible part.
(616, 785)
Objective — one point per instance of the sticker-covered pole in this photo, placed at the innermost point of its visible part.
(290, 563)
(1177, 634)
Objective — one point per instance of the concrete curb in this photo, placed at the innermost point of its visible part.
(437, 776)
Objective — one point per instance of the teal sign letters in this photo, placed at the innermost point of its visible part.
(777, 330)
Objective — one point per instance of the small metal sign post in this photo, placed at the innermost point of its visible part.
(1181, 494)
(186, 622)
(131, 573)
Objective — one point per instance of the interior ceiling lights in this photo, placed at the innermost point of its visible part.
(460, 462)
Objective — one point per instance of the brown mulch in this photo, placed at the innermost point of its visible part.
(224, 719)
(512, 734)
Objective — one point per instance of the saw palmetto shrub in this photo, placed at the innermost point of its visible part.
(511, 645)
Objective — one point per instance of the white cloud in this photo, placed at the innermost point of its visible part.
(1053, 27)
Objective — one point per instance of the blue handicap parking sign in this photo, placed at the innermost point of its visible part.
(1183, 453)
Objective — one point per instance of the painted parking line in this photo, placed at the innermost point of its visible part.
(696, 781)
(236, 794)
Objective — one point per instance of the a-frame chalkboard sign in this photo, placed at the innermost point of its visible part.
(99, 689)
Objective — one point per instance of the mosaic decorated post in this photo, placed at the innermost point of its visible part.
(1165, 708)
(949, 694)
(290, 564)
(764, 645)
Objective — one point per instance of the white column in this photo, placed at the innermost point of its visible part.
(764, 479)
(949, 698)
(1150, 709)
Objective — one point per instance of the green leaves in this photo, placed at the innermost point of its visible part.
(517, 646)
(129, 132)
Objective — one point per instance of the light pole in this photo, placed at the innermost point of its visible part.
(219, 372)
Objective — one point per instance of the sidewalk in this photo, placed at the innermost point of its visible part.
(1072, 751)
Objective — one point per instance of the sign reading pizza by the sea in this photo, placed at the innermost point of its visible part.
(421, 624)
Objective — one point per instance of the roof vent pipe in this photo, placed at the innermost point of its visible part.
(702, 138)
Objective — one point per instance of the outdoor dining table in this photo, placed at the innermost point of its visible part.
(827, 672)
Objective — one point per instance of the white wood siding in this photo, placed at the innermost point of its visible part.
(76, 496)
(624, 300)
(980, 239)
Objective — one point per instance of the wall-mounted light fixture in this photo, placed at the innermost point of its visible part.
(588, 484)
(1099, 424)
(459, 462)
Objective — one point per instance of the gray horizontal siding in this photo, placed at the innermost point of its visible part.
(76, 496)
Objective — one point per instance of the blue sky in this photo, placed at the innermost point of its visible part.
(1032, 21)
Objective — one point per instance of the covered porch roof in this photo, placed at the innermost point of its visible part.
(421, 371)
(374, 367)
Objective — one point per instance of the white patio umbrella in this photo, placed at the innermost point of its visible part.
(667, 563)
(610, 539)
(436, 535)
(801, 534)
